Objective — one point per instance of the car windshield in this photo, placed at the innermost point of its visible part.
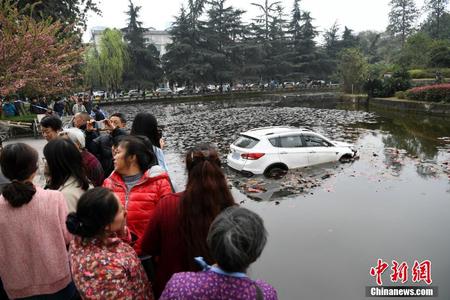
(246, 142)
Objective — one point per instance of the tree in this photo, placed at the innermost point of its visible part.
(144, 64)
(353, 69)
(402, 17)
(436, 10)
(415, 53)
(331, 39)
(268, 11)
(222, 33)
(440, 54)
(113, 58)
(34, 55)
(185, 58)
(67, 12)
(91, 68)
(349, 40)
(430, 25)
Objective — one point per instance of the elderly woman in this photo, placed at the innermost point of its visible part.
(93, 168)
(236, 239)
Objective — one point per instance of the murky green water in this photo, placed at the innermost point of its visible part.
(328, 225)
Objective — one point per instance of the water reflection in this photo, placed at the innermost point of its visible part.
(329, 224)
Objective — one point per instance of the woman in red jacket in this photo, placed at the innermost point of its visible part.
(138, 182)
(178, 229)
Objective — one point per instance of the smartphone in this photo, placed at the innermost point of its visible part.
(100, 124)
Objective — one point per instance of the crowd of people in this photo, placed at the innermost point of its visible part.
(11, 106)
(109, 224)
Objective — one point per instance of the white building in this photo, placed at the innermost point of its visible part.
(159, 38)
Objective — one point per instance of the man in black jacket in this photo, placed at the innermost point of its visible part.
(101, 146)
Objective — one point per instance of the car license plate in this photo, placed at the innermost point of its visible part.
(236, 155)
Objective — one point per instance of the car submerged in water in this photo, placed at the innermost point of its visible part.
(273, 149)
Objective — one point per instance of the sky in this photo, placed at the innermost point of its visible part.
(358, 15)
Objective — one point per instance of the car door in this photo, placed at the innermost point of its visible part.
(291, 151)
(319, 150)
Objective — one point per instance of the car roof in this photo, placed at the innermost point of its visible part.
(267, 131)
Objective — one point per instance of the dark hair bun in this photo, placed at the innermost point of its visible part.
(73, 223)
(18, 193)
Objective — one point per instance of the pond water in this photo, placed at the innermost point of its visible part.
(329, 224)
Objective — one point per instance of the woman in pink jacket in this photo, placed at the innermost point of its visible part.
(33, 234)
(138, 182)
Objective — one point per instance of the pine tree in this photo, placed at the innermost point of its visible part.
(144, 69)
(437, 9)
(402, 17)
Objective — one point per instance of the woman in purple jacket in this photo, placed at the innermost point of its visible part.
(236, 239)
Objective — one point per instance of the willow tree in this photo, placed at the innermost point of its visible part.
(112, 58)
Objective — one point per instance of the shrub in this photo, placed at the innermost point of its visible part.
(418, 74)
(433, 93)
(400, 95)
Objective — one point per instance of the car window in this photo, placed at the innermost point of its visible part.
(274, 142)
(315, 141)
(246, 142)
(292, 141)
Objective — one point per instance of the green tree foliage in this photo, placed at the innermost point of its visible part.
(437, 10)
(430, 25)
(67, 12)
(440, 54)
(223, 30)
(113, 58)
(369, 42)
(144, 68)
(91, 68)
(349, 40)
(184, 61)
(415, 53)
(353, 69)
(402, 17)
(268, 13)
(35, 55)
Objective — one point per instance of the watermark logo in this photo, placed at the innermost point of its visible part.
(401, 272)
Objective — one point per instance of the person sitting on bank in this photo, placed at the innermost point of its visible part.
(9, 110)
(236, 239)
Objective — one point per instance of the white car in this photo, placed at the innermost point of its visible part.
(269, 149)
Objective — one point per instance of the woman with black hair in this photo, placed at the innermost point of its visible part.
(178, 229)
(145, 124)
(65, 171)
(103, 265)
(33, 235)
(138, 182)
